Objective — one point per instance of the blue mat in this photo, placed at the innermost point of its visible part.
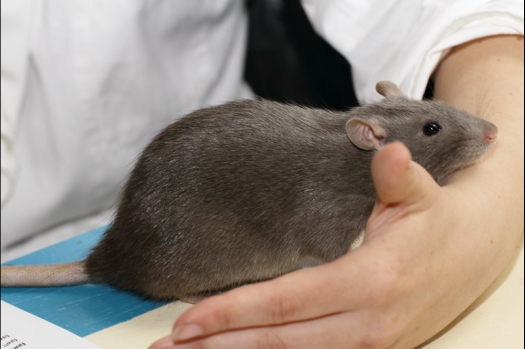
(84, 309)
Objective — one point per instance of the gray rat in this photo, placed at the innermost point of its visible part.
(253, 189)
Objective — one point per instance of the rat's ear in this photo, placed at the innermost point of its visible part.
(364, 134)
(388, 89)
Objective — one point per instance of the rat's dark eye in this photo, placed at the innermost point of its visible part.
(431, 128)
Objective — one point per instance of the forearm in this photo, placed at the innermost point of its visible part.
(485, 77)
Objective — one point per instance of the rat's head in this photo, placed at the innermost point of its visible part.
(441, 138)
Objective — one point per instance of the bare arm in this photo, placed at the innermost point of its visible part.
(485, 77)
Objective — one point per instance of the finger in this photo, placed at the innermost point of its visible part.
(398, 179)
(343, 330)
(293, 297)
(163, 343)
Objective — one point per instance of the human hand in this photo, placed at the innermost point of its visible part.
(392, 292)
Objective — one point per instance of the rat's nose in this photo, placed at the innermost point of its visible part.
(491, 134)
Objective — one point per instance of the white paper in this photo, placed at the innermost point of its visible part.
(22, 330)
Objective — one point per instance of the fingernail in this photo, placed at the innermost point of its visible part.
(186, 332)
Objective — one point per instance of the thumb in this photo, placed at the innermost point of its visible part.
(398, 179)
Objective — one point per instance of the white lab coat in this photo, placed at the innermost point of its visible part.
(86, 84)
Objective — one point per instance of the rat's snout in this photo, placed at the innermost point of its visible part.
(491, 133)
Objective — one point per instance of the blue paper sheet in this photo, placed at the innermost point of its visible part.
(84, 309)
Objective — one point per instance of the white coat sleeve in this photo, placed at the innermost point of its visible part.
(404, 40)
(8, 157)
(15, 33)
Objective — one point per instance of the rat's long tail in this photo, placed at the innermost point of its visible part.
(44, 275)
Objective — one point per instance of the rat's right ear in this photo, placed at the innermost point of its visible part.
(364, 134)
(388, 89)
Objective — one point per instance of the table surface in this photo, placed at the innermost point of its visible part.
(114, 319)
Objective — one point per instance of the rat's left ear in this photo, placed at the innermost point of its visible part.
(388, 89)
(364, 134)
